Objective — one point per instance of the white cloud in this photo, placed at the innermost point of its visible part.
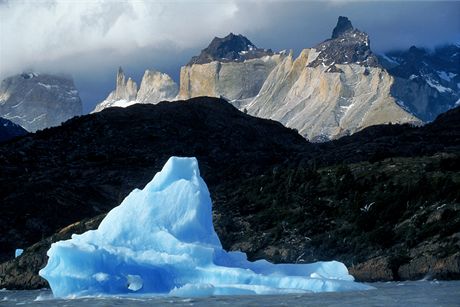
(36, 31)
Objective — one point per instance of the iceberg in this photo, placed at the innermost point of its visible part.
(161, 241)
(18, 252)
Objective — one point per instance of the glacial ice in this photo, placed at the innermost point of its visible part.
(18, 252)
(161, 241)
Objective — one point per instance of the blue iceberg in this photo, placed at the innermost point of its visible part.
(161, 241)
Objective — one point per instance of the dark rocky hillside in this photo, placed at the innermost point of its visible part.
(88, 165)
(385, 200)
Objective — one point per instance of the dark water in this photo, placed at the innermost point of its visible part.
(415, 293)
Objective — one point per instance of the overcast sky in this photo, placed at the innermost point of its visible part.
(89, 39)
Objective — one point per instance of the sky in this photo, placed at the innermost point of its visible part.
(90, 39)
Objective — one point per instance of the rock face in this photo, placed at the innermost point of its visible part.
(322, 104)
(155, 87)
(231, 67)
(125, 89)
(9, 130)
(231, 80)
(426, 82)
(37, 101)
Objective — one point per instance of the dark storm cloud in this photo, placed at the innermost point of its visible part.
(90, 39)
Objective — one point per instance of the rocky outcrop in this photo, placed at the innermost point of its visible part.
(346, 46)
(155, 87)
(10, 130)
(125, 89)
(431, 267)
(37, 101)
(375, 269)
(232, 48)
(231, 67)
(22, 272)
(322, 104)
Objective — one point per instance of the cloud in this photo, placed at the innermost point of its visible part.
(36, 31)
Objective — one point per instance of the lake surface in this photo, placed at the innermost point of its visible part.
(413, 293)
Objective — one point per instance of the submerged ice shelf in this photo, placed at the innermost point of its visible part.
(161, 241)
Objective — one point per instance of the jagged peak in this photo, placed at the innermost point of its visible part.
(233, 47)
(233, 42)
(343, 26)
(348, 45)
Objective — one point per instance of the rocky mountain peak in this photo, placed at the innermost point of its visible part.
(38, 100)
(125, 89)
(229, 48)
(155, 87)
(347, 46)
(343, 25)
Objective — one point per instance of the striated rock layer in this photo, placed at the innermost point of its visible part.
(37, 101)
(231, 67)
(323, 105)
(231, 80)
(334, 89)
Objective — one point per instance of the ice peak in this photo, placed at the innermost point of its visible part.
(176, 168)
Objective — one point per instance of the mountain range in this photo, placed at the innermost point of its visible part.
(334, 89)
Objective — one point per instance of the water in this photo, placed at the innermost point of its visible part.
(414, 293)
